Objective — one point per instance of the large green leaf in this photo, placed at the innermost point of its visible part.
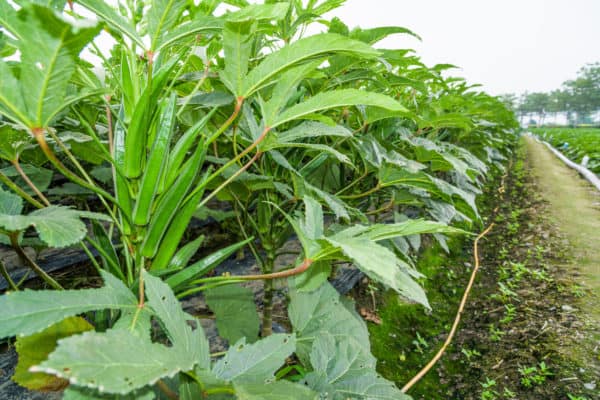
(313, 314)
(34, 349)
(302, 50)
(257, 362)
(192, 343)
(118, 361)
(312, 129)
(374, 35)
(380, 264)
(286, 88)
(273, 11)
(235, 311)
(40, 177)
(49, 47)
(341, 372)
(337, 98)
(109, 15)
(12, 142)
(183, 30)
(26, 312)
(162, 16)
(58, 226)
(237, 46)
(10, 204)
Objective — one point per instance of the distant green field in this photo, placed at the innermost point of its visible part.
(575, 143)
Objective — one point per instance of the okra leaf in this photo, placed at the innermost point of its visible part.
(181, 31)
(333, 99)
(118, 361)
(312, 226)
(116, 21)
(237, 46)
(312, 279)
(35, 348)
(312, 129)
(192, 343)
(10, 204)
(49, 47)
(380, 264)
(26, 312)
(302, 50)
(12, 142)
(41, 177)
(161, 17)
(58, 226)
(274, 11)
(374, 35)
(315, 313)
(319, 148)
(235, 312)
(257, 362)
(343, 372)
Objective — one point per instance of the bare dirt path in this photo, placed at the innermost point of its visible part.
(574, 207)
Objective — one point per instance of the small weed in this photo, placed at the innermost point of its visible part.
(534, 375)
(495, 333)
(541, 275)
(577, 290)
(488, 390)
(509, 314)
(509, 394)
(506, 293)
(420, 344)
(574, 397)
(470, 353)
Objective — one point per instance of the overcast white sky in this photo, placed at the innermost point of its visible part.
(506, 45)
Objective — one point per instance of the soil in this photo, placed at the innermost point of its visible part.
(531, 328)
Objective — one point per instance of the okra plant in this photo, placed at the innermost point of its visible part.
(355, 151)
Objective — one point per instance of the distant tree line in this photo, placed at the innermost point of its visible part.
(577, 99)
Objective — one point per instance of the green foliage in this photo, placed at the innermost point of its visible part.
(575, 143)
(235, 311)
(34, 349)
(358, 151)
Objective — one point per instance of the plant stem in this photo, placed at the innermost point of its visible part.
(109, 122)
(87, 178)
(226, 390)
(227, 280)
(267, 317)
(14, 241)
(38, 134)
(6, 180)
(6, 276)
(364, 194)
(162, 386)
(195, 89)
(229, 121)
(229, 180)
(28, 181)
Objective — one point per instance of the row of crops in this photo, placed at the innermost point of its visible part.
(355, 151)
(575, 143)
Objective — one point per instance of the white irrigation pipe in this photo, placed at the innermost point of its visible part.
(586, 173)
